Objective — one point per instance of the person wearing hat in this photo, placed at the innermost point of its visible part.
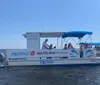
(45, 45)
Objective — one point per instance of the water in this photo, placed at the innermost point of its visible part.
(89, 75)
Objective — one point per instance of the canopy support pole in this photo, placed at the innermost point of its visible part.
(57, 42)
(88, 38)
(67, 40)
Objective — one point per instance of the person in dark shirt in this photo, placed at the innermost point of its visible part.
(50, 47)
(81, 51)
(65, 47)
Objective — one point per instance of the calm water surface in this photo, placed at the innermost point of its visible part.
(89, 75)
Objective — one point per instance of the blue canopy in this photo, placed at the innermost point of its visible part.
(92, 43)
(79, 34)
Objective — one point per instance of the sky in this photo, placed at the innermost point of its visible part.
(20, 16)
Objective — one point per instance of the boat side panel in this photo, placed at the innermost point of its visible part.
(56, 62)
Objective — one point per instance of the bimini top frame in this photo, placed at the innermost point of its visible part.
(75, 34)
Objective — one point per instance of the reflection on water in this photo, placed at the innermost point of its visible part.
(50, 76)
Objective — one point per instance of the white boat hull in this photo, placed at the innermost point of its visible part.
(56, 62)
(51, 57)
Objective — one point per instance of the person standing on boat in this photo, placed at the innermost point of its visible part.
(45, 45)
(81, 51)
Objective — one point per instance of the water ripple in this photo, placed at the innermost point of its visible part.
(50, 76)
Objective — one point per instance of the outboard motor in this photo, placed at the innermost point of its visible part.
(2, 57)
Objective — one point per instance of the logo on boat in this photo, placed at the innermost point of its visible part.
(89, 53)
(46, 62)
(74, 51)
(32, 53)
(50, 53)
(45, 53)
(61, 52)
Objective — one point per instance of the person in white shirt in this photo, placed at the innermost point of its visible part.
(45, 45)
